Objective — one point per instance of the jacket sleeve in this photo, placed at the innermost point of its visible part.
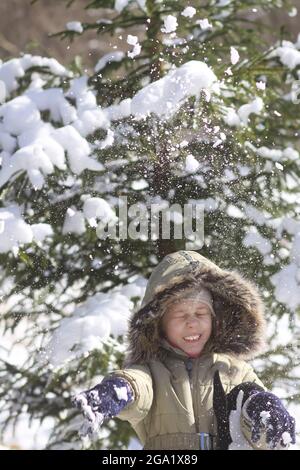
(140, 380)
(250, 376)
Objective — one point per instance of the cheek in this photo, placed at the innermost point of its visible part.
(173, 329)
(208, 326)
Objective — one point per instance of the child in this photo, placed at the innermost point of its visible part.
(185, 373)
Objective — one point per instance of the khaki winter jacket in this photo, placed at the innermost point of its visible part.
(174, 393)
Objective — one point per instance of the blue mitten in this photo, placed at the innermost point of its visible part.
(103, 401)
(266, 412)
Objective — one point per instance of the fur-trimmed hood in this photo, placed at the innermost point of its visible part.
(239, 326)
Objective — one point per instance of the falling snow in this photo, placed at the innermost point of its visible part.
(53, 135)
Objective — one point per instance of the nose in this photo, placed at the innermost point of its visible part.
(192, 321)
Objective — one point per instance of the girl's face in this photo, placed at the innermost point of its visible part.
(187, 325)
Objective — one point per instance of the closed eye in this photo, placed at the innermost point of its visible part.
(199, 313)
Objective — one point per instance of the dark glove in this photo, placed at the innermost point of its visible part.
(267, 413)
(224, 404)
(103, 401)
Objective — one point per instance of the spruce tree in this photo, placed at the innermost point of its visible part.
(200, 108)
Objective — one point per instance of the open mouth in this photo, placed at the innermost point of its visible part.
(192, 339)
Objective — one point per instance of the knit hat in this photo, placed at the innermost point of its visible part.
(199, 294)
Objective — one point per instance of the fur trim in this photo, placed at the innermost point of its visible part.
(239, 323)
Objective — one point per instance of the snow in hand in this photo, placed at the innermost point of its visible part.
(265, 416)
(239, 442)
(286, 438)
(121, 393)
(91, 428)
